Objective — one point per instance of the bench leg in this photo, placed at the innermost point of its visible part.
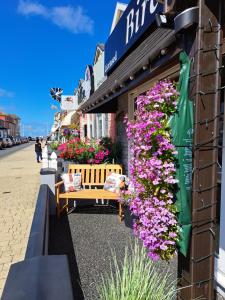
(57, 203)
(58, 210)
(67, 205)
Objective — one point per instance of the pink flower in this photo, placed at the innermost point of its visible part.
(152, 169)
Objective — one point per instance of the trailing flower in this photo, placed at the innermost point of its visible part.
(152, 170)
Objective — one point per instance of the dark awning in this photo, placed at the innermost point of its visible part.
(138, 60)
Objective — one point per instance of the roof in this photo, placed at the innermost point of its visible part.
(146, 52)
(101, 46)
(120, 8)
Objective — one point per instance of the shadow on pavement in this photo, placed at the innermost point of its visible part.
(60, 242)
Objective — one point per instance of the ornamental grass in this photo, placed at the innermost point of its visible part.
(136, 278)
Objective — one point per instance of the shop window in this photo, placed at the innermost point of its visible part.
(91, 134)
(85, 131)
(132, 106)
(100, 128)
(95, 127)
(106, 129)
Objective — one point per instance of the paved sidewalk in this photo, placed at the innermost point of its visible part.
(19, 185)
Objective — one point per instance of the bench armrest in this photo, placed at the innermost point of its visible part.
(59, 183)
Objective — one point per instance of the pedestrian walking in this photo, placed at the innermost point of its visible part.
(38, 150)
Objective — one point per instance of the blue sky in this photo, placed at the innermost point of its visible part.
(46, 43)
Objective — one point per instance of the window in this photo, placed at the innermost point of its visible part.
(91, 133)
(106, 129)
(100, 127)
(85, 130)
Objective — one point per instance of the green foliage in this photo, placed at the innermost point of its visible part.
(54, 145)
(115, 149)
(136, 278)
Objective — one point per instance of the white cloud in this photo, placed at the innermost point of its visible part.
(6, 94)
(31, 8)
(54, 107)
(71, 18)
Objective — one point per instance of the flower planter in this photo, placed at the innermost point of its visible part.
(66, 163)
(57, 152)
(128, 217)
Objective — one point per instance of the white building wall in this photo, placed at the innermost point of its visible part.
(98, 70)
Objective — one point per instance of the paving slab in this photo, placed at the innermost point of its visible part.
(19, 185)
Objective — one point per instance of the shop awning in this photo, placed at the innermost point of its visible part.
(139, 60)
(54, 129)
(71, 118)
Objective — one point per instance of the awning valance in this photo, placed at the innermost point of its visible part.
(138, 60)
(54, 129)
(71, 118)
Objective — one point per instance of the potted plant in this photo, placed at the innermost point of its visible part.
(83, 152)
(136, 277)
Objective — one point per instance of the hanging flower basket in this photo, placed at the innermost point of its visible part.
(152, 169)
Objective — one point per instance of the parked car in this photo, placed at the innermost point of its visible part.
(13, 141)
(18, 141)
(1, 144)
(24, 139)
(5, 141)
(9, 142)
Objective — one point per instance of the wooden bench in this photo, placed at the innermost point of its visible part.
(93, 177)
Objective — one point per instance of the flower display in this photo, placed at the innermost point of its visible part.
(152, 171)
(87, 152)
(66, 132)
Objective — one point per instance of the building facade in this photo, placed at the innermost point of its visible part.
(143, 48)
(94, 125)
(10, 124)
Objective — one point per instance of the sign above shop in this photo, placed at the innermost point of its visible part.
(136, 19)
(69, 103)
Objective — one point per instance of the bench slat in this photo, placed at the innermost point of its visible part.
(103, 176)
(97, 175)
(90, 194)
(94, 174)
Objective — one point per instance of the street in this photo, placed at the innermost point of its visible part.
(7, 151)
